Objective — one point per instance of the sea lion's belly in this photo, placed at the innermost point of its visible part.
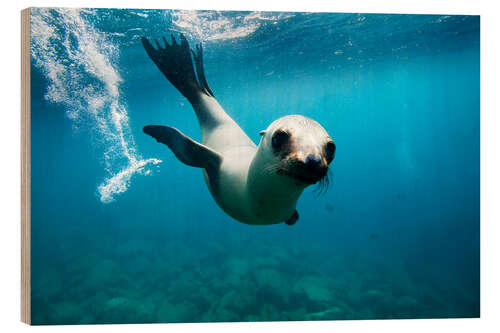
(229, 188)
(231, 191)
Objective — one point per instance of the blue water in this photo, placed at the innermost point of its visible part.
(122, 232)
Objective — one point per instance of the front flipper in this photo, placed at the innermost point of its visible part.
(293, 219)
(185, 149)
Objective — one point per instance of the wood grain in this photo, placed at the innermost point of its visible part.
(25, 169)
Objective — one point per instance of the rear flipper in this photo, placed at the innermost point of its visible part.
(175, 62)
(185, 149)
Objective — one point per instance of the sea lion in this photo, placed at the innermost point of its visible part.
(257, 185)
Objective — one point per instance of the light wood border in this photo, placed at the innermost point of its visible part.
(25, 168)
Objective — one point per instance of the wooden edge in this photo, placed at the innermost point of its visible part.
(25, 168)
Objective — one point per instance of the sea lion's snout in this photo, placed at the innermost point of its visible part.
(314, 163)
(310, 170)
(306, 168)
(316, 166)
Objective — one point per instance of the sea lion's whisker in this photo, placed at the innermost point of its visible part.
(272, 168)
(323, 185)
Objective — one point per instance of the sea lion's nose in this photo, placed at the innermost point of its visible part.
(313, 162)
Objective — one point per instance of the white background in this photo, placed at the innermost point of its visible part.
(490, 167)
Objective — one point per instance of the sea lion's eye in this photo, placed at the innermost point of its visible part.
(330, 151)
(279, 138)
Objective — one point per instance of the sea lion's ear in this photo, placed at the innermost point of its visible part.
(262, 132)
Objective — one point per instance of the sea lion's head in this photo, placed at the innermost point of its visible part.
(298, 149)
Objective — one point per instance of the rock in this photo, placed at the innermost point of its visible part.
(237, 266)
(116, 302)
(316, 288)
(238, 301)
(407, 306)
(236, 270)
(65, 312)
(177, 313)
(87, 319)
(373, 296)
(263, 262)
(101, 273)
(300, 314)
(225, 315)
(334, 313)
(270, 285)
(208, 296)
(268, 278)
(269, 312)
(47, 284)
(126, 310)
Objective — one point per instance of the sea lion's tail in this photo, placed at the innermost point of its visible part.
(174, 61)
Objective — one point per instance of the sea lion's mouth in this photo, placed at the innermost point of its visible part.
(305, 179)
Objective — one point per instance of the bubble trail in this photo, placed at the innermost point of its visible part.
(79, 63)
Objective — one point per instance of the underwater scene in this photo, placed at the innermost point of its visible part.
(123, 232)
